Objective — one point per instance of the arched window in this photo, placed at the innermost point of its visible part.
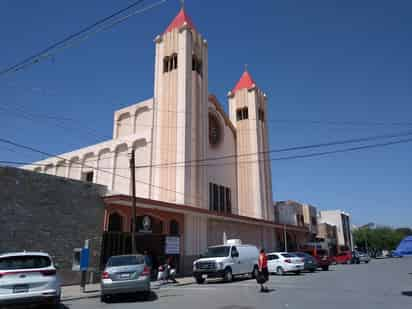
(115, 223)
(174, 228)
(166, 61)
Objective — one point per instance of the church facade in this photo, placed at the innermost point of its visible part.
(196, 165)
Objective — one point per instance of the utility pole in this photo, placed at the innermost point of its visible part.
(133, 179)
(285, 236)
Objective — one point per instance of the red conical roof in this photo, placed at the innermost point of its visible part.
(179, 20)
(246, 81)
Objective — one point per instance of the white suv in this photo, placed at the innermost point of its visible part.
(284, 262)
(29, 277)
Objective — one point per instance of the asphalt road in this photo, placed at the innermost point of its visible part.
(380, 284)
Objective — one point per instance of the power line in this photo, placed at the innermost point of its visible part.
(18, 145)
(259, 160)
(294, 148)
(84, 34)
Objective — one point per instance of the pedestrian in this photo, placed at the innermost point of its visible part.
(263, 275)
(171, 270)
(147, 259)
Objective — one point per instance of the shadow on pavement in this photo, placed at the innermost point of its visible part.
(221, 281)
(132, 298)
(407, 293)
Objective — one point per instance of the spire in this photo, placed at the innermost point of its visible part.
(246, 81)
(179, 20)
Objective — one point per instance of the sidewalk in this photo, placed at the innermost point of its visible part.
(73, 292)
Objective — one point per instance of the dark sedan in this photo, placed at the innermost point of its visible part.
(310, 262)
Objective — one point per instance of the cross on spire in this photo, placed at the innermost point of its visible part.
(182, 3)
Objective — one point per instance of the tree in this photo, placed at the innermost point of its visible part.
(381, 238)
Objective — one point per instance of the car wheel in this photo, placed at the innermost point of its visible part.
(297, 272)
(55, 303)
(312, 270)
(325, 268)
(200, 280)
(146, 295)
(104, 298)
(280, 271)
(228, 276)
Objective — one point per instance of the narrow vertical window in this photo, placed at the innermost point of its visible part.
(228, 201)
(193, 63)
(165, 64)
(215, 197)
(245, 113)
(174, 57)
(199, 67)
(238, 114)
(222, 199)
(210, 196)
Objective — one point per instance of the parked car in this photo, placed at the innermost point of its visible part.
(284, 262)
(125, 274)
(364, 257)
(344, 257)
(310, 263)
(226, 261)
(322, 258)
(29, 278)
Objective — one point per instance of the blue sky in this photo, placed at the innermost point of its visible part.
(326, 60)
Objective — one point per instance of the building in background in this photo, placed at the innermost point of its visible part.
(327, 236)
(342, 222)
(289, 212)
(292, 213)
(310, 220)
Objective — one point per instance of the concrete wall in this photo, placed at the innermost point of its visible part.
(51, 214)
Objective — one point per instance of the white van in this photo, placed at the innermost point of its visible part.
(226, 261)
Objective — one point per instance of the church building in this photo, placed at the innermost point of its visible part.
(201, 174)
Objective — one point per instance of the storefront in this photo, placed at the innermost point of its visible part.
(183, 232)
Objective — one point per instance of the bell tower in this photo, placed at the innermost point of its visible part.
(247, 111)
(179, 114)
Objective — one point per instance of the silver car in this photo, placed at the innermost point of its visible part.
(125, 274)
(29, 278)
(364, 258)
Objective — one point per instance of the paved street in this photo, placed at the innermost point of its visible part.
(380, 284)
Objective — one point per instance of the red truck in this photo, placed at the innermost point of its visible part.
(321, 256)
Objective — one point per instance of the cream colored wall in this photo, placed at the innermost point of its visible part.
(253, 171)
(195, 235)
(109, 160)
(260, 236)
(223, 172)
(133, 119)
(180, 98)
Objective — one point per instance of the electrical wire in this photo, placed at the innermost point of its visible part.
(84, 34)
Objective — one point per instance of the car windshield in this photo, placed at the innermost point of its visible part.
(288, 255)
(24, 262)
(220, 251)
(125, 260)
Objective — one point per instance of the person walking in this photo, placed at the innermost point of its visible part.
(263, 275)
